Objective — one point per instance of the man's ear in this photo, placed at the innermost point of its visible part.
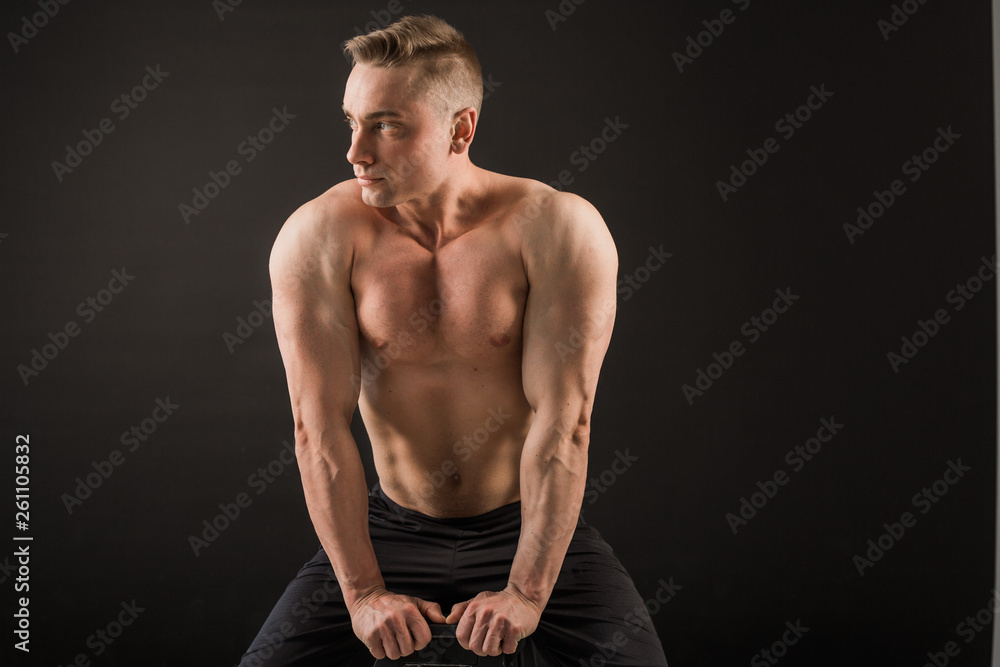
(463, 129)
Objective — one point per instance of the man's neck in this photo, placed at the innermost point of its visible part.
(449, 211)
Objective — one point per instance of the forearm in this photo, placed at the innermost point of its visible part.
(553, 480)
(333, 482)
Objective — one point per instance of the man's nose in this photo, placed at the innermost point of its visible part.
(360, 151)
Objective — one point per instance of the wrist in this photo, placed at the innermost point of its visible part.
(534, 595)
(358, 594)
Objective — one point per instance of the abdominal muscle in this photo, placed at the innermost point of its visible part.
(447, 436)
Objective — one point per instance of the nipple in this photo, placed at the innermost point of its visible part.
(499, 340)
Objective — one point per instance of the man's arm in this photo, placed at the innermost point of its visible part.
(316, 325)
(572, 265)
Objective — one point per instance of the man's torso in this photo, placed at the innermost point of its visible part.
(440, 341)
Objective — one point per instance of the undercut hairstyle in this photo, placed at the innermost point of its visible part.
(449, 70)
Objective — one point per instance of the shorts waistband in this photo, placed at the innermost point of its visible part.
(500, 515)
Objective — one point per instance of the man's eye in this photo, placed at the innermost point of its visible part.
(381, 126)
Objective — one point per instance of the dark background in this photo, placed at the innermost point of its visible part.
(826, 357)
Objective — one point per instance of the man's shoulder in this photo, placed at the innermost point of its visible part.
(553, 226)
(543, 214)
(324, 226)
(335, 210)
(537, 207)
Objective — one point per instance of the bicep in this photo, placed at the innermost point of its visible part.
(572, 267)
(317, 331)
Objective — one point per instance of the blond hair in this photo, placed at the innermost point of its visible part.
(449, 69)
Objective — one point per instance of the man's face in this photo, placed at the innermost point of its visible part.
(398, 138)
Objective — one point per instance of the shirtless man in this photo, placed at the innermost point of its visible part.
(467, 314)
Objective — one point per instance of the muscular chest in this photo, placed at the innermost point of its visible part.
(465, 300)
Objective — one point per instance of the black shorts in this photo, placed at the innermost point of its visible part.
(594, 616)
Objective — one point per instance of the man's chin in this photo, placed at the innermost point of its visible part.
(377, 199)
